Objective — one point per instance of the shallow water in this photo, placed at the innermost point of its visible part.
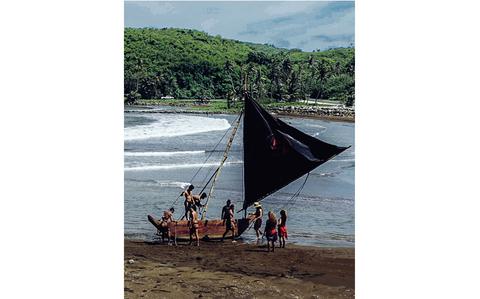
(164, 151)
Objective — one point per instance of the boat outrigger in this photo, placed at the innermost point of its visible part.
(274, 155)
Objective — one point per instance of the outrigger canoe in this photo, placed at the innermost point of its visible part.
(208, 229)
(274, 155)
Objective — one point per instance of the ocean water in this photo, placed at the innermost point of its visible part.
(163, 152)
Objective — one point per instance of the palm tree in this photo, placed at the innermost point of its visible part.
(250, 73)
(259, 84)
(300, 94)
(311, 67)
(139, 73)
(228, 68)
(286, 68)
(351, 66)
(323, 71)
(275, 74)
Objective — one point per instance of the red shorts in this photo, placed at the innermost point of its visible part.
(282, 232)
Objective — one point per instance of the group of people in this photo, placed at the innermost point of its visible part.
(192, 203)
(192, 200)
(274, 229)
(271, 227)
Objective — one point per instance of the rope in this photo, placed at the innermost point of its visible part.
(204, 162)
(211, 153)
(209, 180)
(291, 201)
(225, 157)
(208, 174)
(202, 209)
(295, 195)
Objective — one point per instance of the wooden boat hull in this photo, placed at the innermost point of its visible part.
(209, 229)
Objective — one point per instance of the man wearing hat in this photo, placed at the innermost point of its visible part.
(257, 218)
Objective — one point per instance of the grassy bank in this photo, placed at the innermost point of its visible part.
(220, 105)
(326, 110)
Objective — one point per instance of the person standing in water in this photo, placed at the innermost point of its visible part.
(198, 198)
(193, 224)
(225, 211)
(230, 222)
(188, 200)
(270, 230)
(257, 219)
(282, 228)
(167, 218)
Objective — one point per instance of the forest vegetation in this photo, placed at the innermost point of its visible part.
(190, 64)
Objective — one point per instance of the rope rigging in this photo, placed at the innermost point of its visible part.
(296, 194)
(208, 157)
(225, 156)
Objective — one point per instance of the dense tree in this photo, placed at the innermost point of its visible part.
(187, 63)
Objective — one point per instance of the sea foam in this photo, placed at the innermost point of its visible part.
(177, 166)
(162, 154)
(171, 125)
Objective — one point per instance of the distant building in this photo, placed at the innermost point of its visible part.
(167, 98)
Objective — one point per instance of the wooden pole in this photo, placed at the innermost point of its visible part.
(225, 156)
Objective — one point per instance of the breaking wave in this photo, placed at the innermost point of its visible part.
(343, 160)
(161, 183)
(177, 166)
(162, 154)
(175, 125)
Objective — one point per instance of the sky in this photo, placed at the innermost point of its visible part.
(306, 25)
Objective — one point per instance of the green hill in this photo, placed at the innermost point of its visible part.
(187, 63)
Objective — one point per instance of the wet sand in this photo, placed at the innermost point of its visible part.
(239, 270)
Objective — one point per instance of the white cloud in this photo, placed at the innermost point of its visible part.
(288, 8)
(208, 24)
(157, 8)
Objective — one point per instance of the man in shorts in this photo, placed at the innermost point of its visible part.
(257, 219)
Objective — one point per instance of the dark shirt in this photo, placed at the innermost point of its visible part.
(270, 225)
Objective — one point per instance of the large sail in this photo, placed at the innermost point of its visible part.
(275, 153)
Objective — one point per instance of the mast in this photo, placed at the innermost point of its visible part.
(225, 156)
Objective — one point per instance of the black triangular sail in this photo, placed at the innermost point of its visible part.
(276, 154)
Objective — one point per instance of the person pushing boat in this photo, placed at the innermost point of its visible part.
(198, 198)
(193, 224)
(256, 218)
(225, 210)
(229, 222)
(188, 200)
(167, 218)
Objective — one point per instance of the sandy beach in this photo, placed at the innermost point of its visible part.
(237, 270)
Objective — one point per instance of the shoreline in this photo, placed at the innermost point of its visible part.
(297, 113)
(156, 240)
(237, 270)
(319, 117)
